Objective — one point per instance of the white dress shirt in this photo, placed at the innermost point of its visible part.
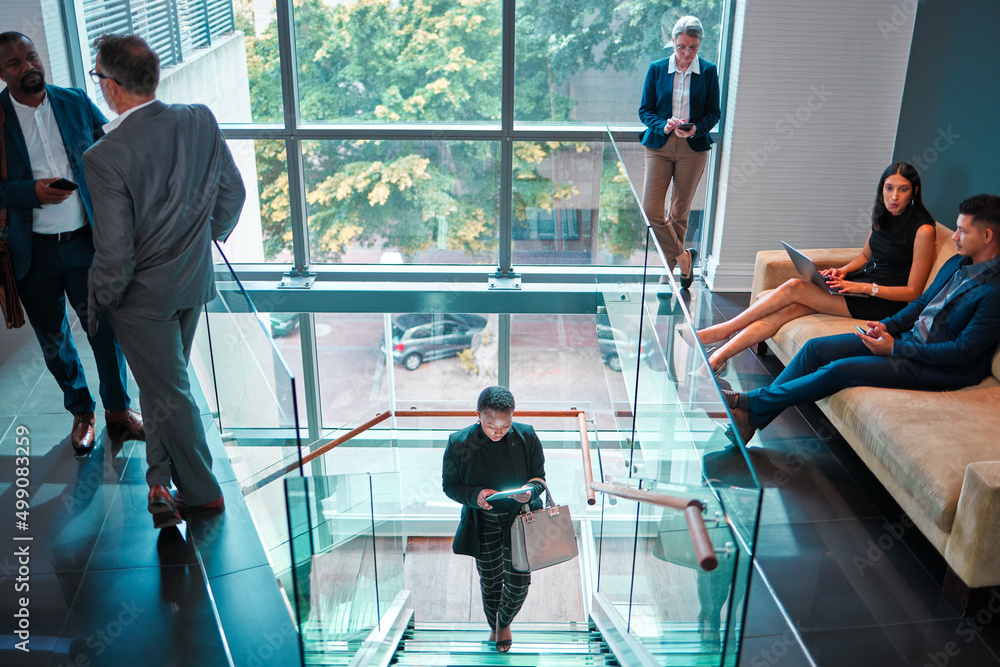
(118, 121)
(680, 105)
(49, 159)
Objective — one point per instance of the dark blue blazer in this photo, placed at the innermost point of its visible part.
(657, 99)
(963, 336)
(80, 124)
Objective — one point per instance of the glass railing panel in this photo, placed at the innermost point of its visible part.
(252, 395)
(347, 549)
(677, 602)
(622, 235)
(677, 436)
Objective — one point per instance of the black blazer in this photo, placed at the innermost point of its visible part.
(470, 464)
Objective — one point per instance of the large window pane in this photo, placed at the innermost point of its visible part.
(557, 198)
(573, 204)
(221, 53)
(585, 60)
(264, 231)
(569, 360)
(381, 61)
(257, 20)
(402, 201)
(443, 357)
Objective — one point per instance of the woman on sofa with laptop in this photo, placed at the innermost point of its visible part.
(891, 271)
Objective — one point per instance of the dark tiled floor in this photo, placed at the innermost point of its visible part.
(104, 587)
(860, 585)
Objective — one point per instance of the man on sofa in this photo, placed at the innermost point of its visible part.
(943, 340)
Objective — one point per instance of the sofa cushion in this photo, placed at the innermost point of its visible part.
(925, 439)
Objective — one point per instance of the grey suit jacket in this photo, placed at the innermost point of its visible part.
(164, 185)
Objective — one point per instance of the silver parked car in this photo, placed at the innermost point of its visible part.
(420, 337)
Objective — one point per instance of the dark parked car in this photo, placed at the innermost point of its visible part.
(420, 337)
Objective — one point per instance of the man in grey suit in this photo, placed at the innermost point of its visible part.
(164, 185)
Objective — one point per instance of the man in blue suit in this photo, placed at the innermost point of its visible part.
(46, 130)
(944, 340)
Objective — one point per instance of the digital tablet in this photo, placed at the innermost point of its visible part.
(503, 495)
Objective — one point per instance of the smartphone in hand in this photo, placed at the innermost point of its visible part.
(864, 332)
(687, 127)
(63, 184)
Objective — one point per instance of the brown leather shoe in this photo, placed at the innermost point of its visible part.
(82, 436)
(161, 506)
(743, 419)
(217, 506)
(124, 425)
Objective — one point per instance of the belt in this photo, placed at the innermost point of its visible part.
(63, 237)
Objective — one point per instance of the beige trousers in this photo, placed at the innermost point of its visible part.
(674, 160)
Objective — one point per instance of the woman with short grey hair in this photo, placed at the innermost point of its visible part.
(679, 107)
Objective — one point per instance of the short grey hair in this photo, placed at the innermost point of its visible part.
(688, 25)
(130, 62)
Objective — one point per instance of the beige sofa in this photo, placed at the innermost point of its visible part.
(937, 453)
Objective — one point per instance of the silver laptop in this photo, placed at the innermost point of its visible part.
(807, 267)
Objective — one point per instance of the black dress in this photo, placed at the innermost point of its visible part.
(892, 255)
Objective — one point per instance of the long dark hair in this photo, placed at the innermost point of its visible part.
(881, 218)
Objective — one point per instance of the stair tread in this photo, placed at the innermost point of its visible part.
(485, 646)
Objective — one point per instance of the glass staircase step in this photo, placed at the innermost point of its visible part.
(541, 645)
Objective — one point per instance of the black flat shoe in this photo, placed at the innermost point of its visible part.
(689, 278)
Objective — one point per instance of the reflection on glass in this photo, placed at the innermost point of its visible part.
(402, 201)
(586, 61)
(347, 552)
(386, 62)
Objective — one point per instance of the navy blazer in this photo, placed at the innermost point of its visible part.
(964, 334)
(657, 99)
(81, 124)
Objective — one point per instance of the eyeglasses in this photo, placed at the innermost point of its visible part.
(687, 49)
(96, 77)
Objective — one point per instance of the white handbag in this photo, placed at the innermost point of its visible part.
(542, 538)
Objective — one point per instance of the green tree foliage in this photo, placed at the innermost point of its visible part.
(426, 61)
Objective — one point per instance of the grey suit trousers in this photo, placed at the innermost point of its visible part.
(158, 347)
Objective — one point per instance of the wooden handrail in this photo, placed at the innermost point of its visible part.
(473, 413)
(692, 509)
(588, 474)
(382, 416)
(291, 467)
